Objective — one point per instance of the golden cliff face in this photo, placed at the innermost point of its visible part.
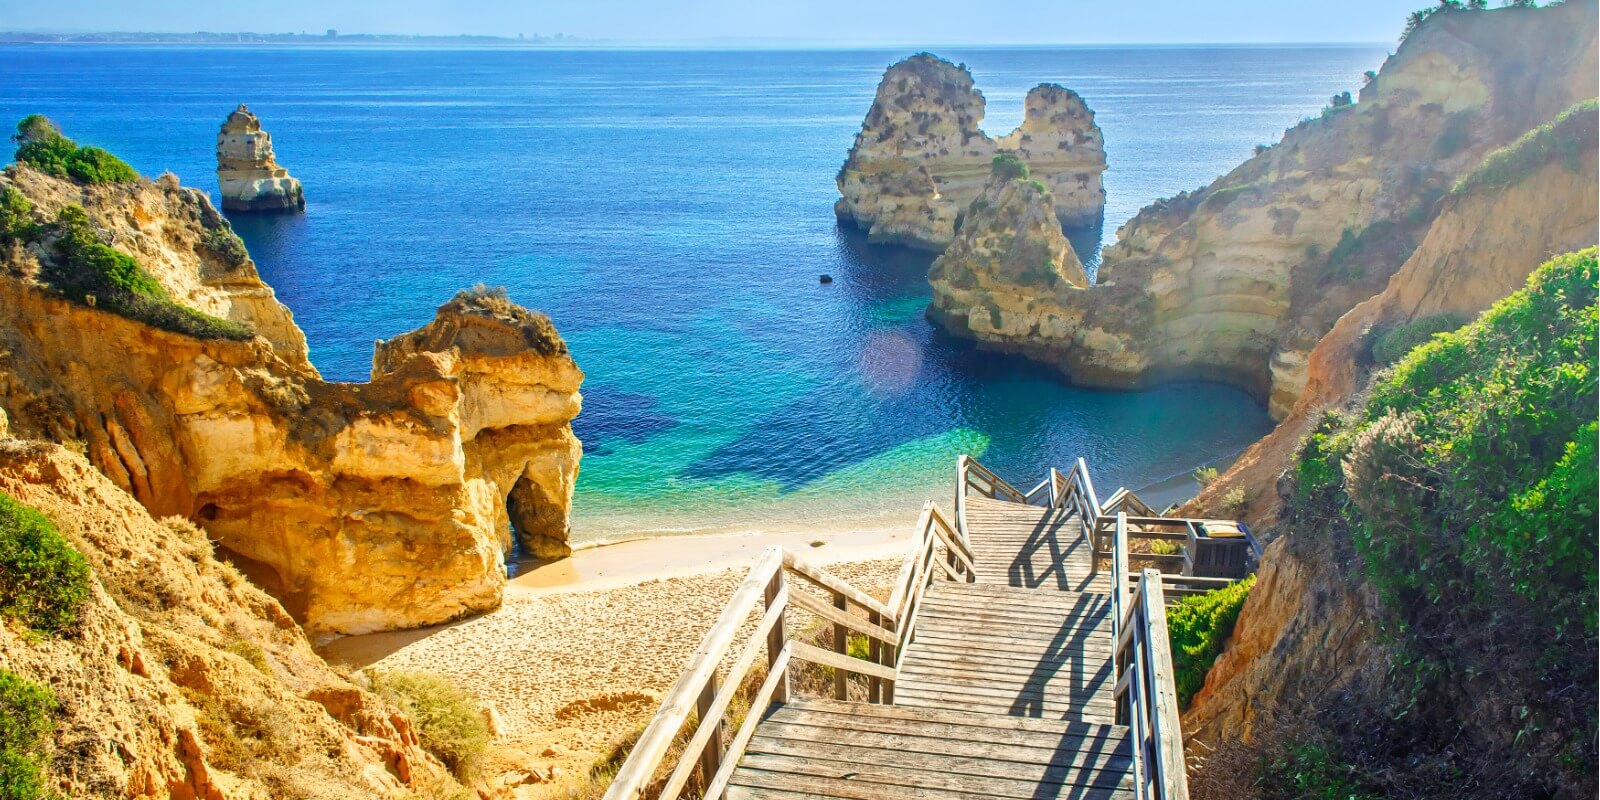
(363, 507)
(1001, 280)
(1305, 626)
(1238, 280)
(921, 158)
(183, 680)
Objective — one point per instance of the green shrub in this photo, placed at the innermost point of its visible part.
(86, 268)
(1205, 475)
(1572, 133)
(1392, 345)
(93, 165)
(41, 145)
(16, 216)
(447, 719)
(44, 582)
(1309, 771)
(1198, 626)
(27, 723)
(1466, 485)
(1008, 167)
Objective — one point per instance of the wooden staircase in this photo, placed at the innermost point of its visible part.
(1005, 665)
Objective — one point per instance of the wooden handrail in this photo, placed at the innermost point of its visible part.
(889, 628)
(1145, 692)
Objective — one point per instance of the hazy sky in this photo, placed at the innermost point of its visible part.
(834, 21)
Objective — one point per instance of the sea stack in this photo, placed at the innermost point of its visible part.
(247, 173)
(921, 156)
(1006, 278)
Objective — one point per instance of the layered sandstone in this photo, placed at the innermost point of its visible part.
(1483, 246)
(363, 507)
(1306, 626)
(921, 157)
(181, 679)
(248, 174)
(1005, 278)
(1238, 280)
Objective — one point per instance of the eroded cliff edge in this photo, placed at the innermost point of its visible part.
(363, 507)
(921, 157)
(180, 678)
(1238, 280)
(1310, 637)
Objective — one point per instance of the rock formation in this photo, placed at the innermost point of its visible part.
(181, 679)
(1484, 244)
(1238, 280)
(363, 507)
(1001, 281)
(1308, 626)
(921, 158)
(247, 173)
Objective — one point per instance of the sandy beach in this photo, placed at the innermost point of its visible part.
(582, 649)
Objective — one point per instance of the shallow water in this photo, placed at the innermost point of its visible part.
(671, 211)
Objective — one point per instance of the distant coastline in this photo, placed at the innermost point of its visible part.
(331, 37)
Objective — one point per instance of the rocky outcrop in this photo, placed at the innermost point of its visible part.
(247, 173)
(1483, 246)
(181, 679)
(363, 507)
(1003, 280)
(1239, 280)
(1306, 628)
(177, 235)
(921, 157)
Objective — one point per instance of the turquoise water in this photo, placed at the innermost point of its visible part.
(671, 211)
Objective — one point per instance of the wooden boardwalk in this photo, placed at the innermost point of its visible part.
(1005, 691)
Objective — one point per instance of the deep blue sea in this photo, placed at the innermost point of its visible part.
(671, 211)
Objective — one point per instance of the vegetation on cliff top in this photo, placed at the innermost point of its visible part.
(44, 582)
(1389, 346)
(1198, 626)
(41, 145)
(1467, 485)
(27, 724)
(1572, 133)
(89, 271)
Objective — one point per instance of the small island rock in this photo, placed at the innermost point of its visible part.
(248, 175)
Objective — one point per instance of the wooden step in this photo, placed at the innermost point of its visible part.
(828, 749)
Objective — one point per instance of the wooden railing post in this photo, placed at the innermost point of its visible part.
(711, 755)
(775, 639)
(875, 655)
(841, 645)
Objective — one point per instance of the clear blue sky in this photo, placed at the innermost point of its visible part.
(897, 22)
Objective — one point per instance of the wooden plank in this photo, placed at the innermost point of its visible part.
(931, 716)
(1015, 707)
(1088, 769)
(779, 675)
(839, 617)
(912, 779)
(902, 583)
(1065, 694)
(826, 580)
(817, 655)
(1168, 733)
(929, 660)
(647, 753)
(761, 783)
(1102, 746)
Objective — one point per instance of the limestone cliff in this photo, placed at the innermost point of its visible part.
(921, 157)
(363, 507)
(1484, 244)
(1307, 627)
(183, 680)
(1004, 277)
(1238, 280)
(248, 174)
